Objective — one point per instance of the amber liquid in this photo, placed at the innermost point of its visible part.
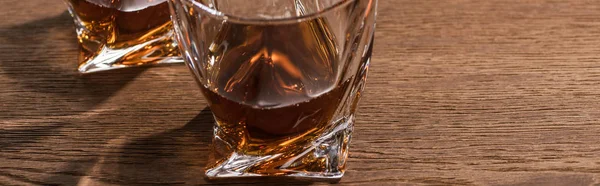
(119, 24)
(272, 87)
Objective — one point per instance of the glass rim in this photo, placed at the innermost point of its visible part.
(230, 17)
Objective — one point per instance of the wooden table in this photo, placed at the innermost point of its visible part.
(462, 92)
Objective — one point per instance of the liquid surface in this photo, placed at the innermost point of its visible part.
(274, 9)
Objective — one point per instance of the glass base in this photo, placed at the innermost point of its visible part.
(97, 57)
(324, 159)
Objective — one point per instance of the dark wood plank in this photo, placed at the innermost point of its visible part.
(460, 92)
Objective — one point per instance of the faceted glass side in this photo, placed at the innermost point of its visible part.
(122, 33)
(284, 93)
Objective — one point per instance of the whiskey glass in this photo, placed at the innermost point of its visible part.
(123, 33)
(282, 77)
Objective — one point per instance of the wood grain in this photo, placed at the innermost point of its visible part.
(461, 92)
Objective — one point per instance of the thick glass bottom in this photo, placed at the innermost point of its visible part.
(95, 56)
(321, 159)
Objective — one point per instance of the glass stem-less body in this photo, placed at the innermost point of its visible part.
(121, 33)
(282, 79)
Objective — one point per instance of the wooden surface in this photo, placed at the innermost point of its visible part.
(462, 92)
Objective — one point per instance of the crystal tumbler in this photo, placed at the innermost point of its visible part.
(282, 78)
(122, 33)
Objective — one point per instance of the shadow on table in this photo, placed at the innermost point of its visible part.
(15, 137)
(176, 157)
(172, 157)
(41, 57)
